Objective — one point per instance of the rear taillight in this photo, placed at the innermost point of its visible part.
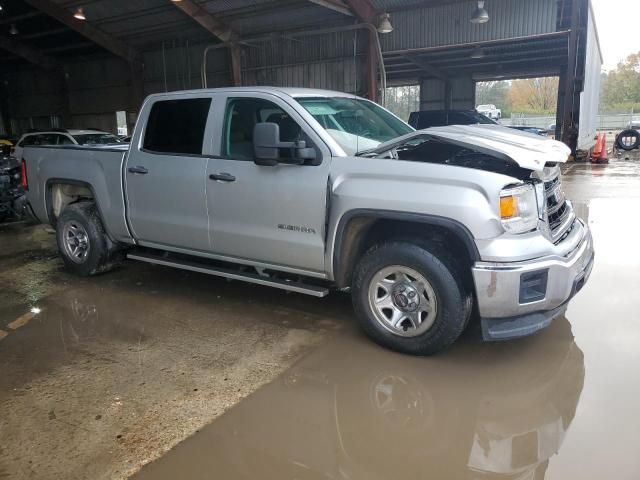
(23, 175)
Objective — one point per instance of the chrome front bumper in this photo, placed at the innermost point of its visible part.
(498, 290)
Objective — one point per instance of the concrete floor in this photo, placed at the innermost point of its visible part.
(115, 370)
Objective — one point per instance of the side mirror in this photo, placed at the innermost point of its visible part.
(267, 147)
(266, 138)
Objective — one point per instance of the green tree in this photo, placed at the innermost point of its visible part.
(621, 87)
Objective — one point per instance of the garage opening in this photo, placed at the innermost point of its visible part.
(525, 103)
(402, 100)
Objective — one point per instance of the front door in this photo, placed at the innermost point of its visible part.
(165, 175)
(274, 215)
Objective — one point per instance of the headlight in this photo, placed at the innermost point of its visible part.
(519, 209)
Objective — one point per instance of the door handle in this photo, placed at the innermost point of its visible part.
(222, 177)
(138, 169)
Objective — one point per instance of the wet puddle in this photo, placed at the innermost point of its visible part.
(353, 410)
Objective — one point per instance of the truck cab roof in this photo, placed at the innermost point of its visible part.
(294, 92)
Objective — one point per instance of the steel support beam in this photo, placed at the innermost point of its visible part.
(366, 13)
(207, 20)
(363, 9)
(97, 36)
(570, 79)
(28, 53)
(220, 30)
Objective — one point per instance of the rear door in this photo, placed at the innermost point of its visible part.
(165, 174)
(272, 215)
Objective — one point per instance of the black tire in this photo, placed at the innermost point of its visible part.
(632, 140)
(100, 256)
(454, 302)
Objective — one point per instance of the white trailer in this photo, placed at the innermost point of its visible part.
(590, 96)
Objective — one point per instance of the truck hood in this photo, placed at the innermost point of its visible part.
(527, 150)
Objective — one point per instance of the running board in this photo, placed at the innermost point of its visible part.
(291, 286)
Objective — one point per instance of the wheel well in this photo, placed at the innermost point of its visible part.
(360, 233)
(62, 193)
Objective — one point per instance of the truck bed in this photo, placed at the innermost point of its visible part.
(97, 167)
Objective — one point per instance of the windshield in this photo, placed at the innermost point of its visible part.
(354, 123)
(96, 139)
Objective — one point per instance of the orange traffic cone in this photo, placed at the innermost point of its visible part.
(597, 150)
(603, 158)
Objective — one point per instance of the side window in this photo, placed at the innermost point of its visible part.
(30, 140)
(47, 139)
(37, 139)
(177, 126)
(243, 114)
(64, 140)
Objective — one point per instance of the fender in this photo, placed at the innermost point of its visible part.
(49, 201)
(453, 226)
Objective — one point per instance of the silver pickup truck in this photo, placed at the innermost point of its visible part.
(309, 190)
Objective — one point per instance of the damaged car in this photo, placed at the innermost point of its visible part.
(312, 191)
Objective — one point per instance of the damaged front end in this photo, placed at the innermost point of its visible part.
(543, 256)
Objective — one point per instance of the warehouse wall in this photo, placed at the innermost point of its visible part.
(334, 61)
(87, 93)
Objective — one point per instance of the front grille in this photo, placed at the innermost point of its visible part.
(555, 219)
(558, 210)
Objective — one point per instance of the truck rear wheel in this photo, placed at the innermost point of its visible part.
(408, 299)
(82, 241)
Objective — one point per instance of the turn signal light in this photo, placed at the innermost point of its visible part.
(508, 207)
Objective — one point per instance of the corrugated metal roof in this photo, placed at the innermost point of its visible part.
(229, 6)
(283, 51)
(296, 16)
(392, 5)
(450, 25)
(148, 24)
(542, 53)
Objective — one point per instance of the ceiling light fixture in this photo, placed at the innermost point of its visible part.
(478, 52)
(79, 14)
(384, 23)
(13, 30)
(480, 15)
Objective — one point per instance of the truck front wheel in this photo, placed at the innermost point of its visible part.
(408, 299)
(82, 241)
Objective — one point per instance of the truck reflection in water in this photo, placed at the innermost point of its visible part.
(352, 410)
